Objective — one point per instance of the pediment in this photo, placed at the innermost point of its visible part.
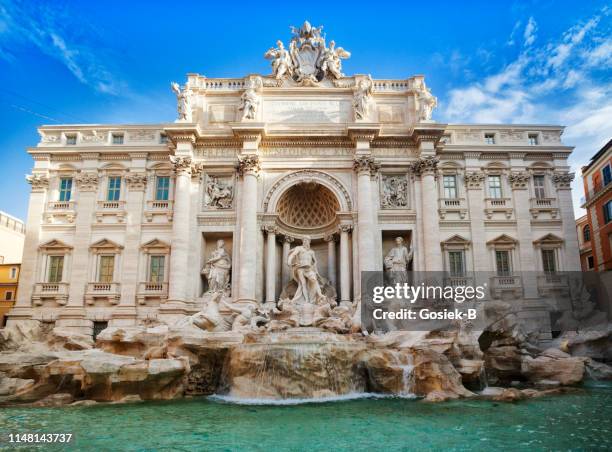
(55, 245)
(105, 244)
(502, 240)
(155, 244)
(456, 240)
(549, 239)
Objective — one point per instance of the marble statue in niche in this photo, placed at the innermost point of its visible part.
(219, 195)
(217, 269)
(397, 261)
(183, 98)
(394, 192)
(303, 264)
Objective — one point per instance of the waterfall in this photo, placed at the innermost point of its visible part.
(407, 382)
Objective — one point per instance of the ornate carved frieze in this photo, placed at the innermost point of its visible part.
(136, 181)
(219, 193)
(38, 182)
(248, 164)
(93, 137)
(425, 165)
(141, 135)
(518, 180)
(87, 181)
(474, 179)
(366, 164)
(394, 192)
(182, 165)
(563, 181)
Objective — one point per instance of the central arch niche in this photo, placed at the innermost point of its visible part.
(308, 206)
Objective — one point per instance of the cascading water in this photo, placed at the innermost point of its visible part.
(407, 382)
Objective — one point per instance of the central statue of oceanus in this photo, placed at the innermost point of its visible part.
(303, 264)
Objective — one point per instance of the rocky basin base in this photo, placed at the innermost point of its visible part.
(47, 368)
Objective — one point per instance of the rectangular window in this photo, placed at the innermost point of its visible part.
(56, 267)
(502, 263)
(590, 262)
(13, 272)
(495, 188)
(450, 187)
(114, 188)
(607, 211)
(549, 261)
(456, 263)
(156, 269)
(533, 139)
(162, 188)
(8, 295)
(117, 138)
(607, 175)
(490, 138)
(163, 138)
(65, 189)
(106, 269)
(71, 140)
(538, 187)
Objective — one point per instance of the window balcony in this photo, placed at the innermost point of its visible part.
(459, 281)
(111, 205)
(53, 291)
(553, 283)
(498, 206)
(158, 208)
(540, 205)
(152, 290)
(507, 283)
(110, 209)
(109, 291)
(56, 206)
(452, 205)
(60, 212)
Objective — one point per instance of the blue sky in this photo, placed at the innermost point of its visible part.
(111, 62)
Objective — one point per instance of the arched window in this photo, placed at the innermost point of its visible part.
(586, 233)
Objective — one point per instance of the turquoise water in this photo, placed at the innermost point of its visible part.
(576, 421)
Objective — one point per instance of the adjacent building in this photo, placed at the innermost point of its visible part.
(123, 218)
(12, 236)
(9, 278)
(595, 231)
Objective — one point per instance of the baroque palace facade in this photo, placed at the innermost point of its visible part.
(124, 220)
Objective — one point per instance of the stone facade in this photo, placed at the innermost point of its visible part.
(122, 219)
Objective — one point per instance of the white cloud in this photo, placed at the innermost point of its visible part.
(530, 32)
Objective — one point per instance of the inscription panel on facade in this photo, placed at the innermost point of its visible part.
(307, 111)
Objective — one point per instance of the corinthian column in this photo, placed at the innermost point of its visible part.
(562, 181)
(284, 267)
(426, 167)
(248, 169)
(331, 259)
(345, 264)
(271, 264)
(365, 166)
(179, 257)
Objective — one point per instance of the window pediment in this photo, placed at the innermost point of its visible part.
(55, 246)
(156, 246)
(456, 242)
(549, 240)
(502, 241)
(105, 246)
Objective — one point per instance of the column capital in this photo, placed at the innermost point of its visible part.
(182, 165)
(87, 181)
(269, 228)
(425, 165)
(518, 180)
(330, 238)
(563, 180)
(345, 228)
(366, 164)
(474, 180)
(136, 181)
(288, 239)
(248, 164)
(39, 182)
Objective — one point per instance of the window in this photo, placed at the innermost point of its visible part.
(71, 140)
(549, 261)
(98, 327)
(586, 233)
(117, 138)
(450, 187)
(13, 272)
(495, 189)
(156, 269)
(533, 139)
(65, 189)
(56, 267)
(607, 175)
(607, 211)
(106, 269)
(490, 138)
(502, 263)
(456, 263)
(8, 295)
(162, 187)
(114, 188)
(590, 262)
(163, 138)
(538, 187)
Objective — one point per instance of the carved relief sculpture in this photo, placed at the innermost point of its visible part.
(217, 269)
(394, 192)
(218, 194)
(183, 99)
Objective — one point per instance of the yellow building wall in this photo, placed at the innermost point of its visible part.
(8, 284)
